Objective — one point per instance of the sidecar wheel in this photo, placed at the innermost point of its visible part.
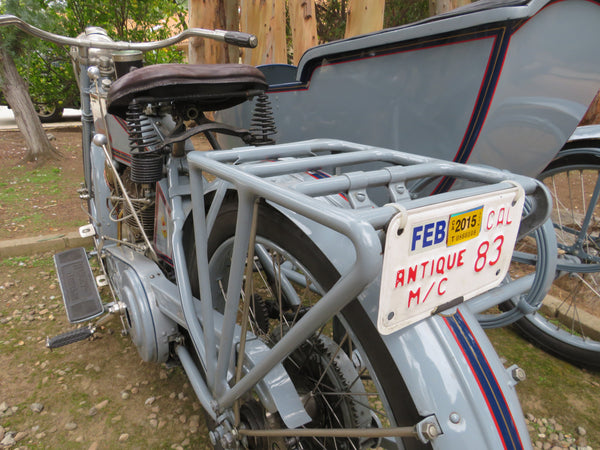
(565, 324)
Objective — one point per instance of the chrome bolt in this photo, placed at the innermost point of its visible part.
(430, 431)
(360, 196)
(455, 417)
(518, 374)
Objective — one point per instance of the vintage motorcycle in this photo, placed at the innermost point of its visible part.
(314, 290)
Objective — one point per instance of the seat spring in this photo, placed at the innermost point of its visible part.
(263, 123)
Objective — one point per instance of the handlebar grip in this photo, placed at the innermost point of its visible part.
(241, 39)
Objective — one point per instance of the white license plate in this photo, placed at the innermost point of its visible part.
(440, 255)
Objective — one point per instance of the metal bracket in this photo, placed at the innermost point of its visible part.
(87, 231)
(101, 280)
(398, 192)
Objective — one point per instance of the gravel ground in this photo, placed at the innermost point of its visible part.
(547, 434)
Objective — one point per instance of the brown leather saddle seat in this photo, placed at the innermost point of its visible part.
(212, 87)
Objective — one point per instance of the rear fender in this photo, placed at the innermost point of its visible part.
(449, 366)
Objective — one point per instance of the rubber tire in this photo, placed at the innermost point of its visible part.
(49, 115)
(282, 232)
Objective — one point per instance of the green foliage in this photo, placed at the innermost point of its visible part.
(331, 19)
(401, 12)
(47, 67)
(133, 20)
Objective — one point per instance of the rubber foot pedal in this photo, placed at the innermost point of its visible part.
(70, 337)
(78, 285)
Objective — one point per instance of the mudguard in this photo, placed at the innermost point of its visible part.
(449, 366)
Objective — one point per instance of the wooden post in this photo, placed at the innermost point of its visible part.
(442, 6)
(206, 14)
(303, 23)
(265, 19)
(364, 16)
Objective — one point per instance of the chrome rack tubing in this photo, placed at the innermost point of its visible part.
(234, 287)
(366, 267)
(500, 294)
(354, 154)
(347, 288)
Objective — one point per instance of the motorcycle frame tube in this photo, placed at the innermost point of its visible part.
(87, 118)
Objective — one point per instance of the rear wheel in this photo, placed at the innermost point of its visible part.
(343, 373)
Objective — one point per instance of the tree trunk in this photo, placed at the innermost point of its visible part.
(232, 23)
(364, 16)
(442, 6)
(265, 19)
(303, 23)
(208, 14)
(15, 91)
(592, 117)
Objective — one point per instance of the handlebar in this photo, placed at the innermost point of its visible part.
(231, 37)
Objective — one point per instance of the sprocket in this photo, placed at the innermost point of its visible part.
(330, 386)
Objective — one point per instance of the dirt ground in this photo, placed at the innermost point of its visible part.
(36, 201)
(99, 394)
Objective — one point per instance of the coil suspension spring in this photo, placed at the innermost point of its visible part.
(145, 144)
(263, 126)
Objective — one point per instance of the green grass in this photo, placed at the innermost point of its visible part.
(22, 184)
(553, 388)
(28, 261)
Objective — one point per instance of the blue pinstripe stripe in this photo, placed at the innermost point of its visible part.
(487, 381)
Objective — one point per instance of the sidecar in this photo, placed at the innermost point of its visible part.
(500, 83)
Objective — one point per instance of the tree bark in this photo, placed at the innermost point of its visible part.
(208, 14)
(232, 23)
(16, 93)
(364, 16)
(303, 22)
(592, 117)
(265, 19)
